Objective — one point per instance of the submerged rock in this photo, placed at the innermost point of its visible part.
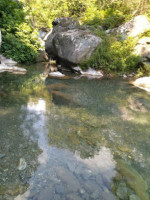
(22, 164)
(134, 197)
(133, 179)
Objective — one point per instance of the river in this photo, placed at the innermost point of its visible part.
(73, 139)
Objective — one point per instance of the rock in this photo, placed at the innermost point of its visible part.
(143, 83)
(133, 28)
(61, 98)
(75, 46)
(59, 189)
(56, 74)
(91, 186)
(46, 194)
(143, 49)
(8, 62)
(22, 164)
(57, 86)
(13, 69)
(134, 197)
(69, 179)
(122, 192)
(133, 179)
(69, 43)
(59, 25)
(2, 155)
(99, 179)
(71, 166)
(73, 197)
(42, 56)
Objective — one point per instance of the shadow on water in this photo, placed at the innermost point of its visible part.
(81, 139)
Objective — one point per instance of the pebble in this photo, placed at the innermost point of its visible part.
(134, 197)
(59, 189)
(22, 164)
(2, 155)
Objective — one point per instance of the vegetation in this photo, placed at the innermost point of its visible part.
(19, 21)
(19, 40)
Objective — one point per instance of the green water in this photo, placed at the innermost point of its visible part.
(78, 138)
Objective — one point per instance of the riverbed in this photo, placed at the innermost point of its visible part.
(73, 139)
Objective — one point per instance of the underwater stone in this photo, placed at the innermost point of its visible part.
(122, 192)
(134, 197)
(22, 164)
(133, 179)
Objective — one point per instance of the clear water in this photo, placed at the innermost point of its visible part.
(77, 139)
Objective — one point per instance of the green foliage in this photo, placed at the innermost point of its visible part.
(19, 41)
(114, 55)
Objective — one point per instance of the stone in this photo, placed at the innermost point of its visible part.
(133, 28)
(61, 98)
(75, 46)
(133, 179)
(59, 24)
(22, 164)
(42, 56)
(122, 192)
(69, 179)
(2, 155)
(99, 179)
(142, 49)
(59, 189)
(134, 197)
(143, 83)
(73, 197)
(68, 42)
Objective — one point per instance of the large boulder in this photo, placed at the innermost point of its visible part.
(69, 42)
(60, 24)
(134, 27)
(75, 45)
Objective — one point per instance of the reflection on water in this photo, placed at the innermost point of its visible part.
(89, 141)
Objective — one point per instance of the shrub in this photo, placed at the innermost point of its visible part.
(19, 41)
(114, 55)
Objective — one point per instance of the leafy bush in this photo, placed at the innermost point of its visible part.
(114, 55)
(19, 41)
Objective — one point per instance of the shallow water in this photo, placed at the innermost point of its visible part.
(75, 139)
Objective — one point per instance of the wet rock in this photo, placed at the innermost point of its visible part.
(69, 179)
(86, 174)
(90, 186)
(122, 192)
(96, 194)
(56, 74)
(2, 155)
(57, 86)
(71, 166)
(59, 189)
(133, 179)
(73, 197)
(99, 179)
(134, 197)
(22, 164)
(61, 98)
(42, 56)
(46, 194)
(13, 69)
(143, 83)
(82, 191)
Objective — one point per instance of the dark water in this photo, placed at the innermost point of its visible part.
(73, 139)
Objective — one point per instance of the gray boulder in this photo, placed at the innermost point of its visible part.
(69, 42)
(133, 28)
(75, 45)
(60, 24)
